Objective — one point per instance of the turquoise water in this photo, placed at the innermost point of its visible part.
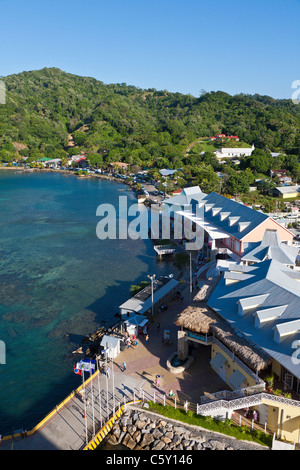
(56, 278)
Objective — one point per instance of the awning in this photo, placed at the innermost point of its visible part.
(236, 380)
(217, 361)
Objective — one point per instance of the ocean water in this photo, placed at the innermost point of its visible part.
(57, 278)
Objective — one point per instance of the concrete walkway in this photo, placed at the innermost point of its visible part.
(69, 430)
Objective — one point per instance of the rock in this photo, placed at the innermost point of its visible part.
(185, 442)
(217, 445)
(169, 434)
(150, 426)
(176, 439)
(121, 437)
(179, 430)
(147, 440)
(117, 431)
(162, 424)
(157, 434)
(166, 440)
(126, 439)
(158, 445)
(113, 440)
(140, 424)
(131, 429)
(206, 446)
(137, 436)
(197, 446)
(131, 443)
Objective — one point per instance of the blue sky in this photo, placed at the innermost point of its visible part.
(180, 45)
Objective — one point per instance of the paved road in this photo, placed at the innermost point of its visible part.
(67, 429)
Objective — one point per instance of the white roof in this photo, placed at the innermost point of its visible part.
(288, 189)
(213, 231)
(110, 341)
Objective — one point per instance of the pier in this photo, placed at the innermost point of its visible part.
(73, 424)
(165, 249)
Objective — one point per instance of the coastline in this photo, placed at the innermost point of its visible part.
(171, 265)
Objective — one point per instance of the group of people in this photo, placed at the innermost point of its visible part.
(131, 342)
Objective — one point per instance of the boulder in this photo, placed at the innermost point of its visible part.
(157, 434)
(131, 443)
(217, 445)
(158, 445)
(147, 440)
(140, 424)
(137, 436)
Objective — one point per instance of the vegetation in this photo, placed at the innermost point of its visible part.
(136, 288)
(55, 114)
(182, 259)
(208, 422)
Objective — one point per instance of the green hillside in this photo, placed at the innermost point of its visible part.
(119, 120)
(54, 114)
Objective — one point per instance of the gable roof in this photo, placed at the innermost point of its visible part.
(234, 218)
(271, 247)
(257, 306)
(186, 196)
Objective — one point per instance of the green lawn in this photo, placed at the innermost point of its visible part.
(207, 422)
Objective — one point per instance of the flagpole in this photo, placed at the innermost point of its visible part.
(99, 387)
(113, 384)
(92, 401)
(85, 416)
(107, 411)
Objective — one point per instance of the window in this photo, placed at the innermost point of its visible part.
(232, 244)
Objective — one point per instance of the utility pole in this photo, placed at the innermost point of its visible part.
(152, 279)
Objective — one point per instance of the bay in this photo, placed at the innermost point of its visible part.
(57, 278)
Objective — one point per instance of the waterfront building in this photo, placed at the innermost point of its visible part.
(164, 288)
(251, 322)
(271, 248)
(229, 227)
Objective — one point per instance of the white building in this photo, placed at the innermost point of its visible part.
(227, 152)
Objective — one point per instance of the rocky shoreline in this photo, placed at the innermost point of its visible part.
(143, 430)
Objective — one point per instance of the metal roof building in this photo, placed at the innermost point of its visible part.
(142, 302)
(263, 307)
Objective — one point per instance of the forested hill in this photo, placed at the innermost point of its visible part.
(49, 110)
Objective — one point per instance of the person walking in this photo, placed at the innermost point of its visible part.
(124, 366)
(108, 371)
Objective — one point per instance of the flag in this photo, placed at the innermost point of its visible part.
(77, 370)
(88, 365)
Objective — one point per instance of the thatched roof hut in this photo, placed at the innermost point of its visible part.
(203, 320)
(197, 319)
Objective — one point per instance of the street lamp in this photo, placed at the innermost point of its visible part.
(152, 279)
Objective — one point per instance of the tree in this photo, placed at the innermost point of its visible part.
(238, 183)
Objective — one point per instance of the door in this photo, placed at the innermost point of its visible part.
(222, 373)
